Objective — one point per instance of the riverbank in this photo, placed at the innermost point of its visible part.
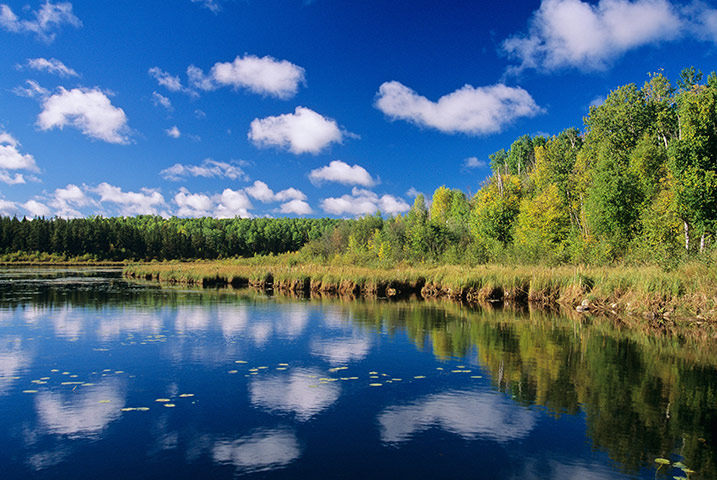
(688, 293)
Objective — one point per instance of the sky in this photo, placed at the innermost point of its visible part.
(272, 108)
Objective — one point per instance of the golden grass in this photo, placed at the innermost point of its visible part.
(687, 292)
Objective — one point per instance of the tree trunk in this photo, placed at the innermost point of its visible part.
(702, 243)
(687, 237)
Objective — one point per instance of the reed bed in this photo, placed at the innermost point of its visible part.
(689, 292)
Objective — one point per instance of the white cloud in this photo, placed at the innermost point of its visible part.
(33, 90)
(233, 203)
(208, 169)
(36, 208)
(261, 191)
(159, 99)
(297, 207)
(303, 131)
(573, 33)
(173, 132)
(52, 65)
(470, 110)
(49, 18)
(364, 202)
(193, 204)
(11, 178)
(166, 80)
(8, 208)
(145, 202)
(473, 162)
(66, 200)
(262, 75)
(88, 110)
(413, 192)
(338, 171)
(10, 156)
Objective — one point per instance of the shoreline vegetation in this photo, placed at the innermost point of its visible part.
(687, 295)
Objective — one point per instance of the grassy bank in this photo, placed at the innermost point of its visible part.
(689, 292)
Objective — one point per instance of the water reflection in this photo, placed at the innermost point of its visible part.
(299, 393)
(616, 398)
(80, 412)
(266, 449)
(469, 414)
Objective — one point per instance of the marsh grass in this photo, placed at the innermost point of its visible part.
(689, 291)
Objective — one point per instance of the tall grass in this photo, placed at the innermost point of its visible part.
(689, 291)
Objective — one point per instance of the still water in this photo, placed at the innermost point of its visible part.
(103, 378)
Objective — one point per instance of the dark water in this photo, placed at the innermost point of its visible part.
(100, 378)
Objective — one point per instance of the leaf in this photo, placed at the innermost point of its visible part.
(662, 461)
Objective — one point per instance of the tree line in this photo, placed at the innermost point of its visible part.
(149, 237)
(638, 183)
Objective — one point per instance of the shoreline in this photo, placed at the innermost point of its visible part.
(687, 295)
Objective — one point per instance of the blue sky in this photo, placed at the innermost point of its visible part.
(308, 108)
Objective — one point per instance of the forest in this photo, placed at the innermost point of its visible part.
(637, 185)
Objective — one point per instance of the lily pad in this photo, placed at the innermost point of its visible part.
(662, 461)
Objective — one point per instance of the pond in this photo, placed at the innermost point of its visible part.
(105, 378)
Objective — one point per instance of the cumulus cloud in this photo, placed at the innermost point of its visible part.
(574, 33)
(261, 191)
(208, 169)
(470, 110)
(66, 200)
(160, 100)
(193, 204)
(233, 203)
(294, 199)
(51, 65)
(341, 172)
(12, 159)
(88, 110)
(297, 207)
(173, 132)
(364, 202)
(303, 131)
(145, 202)
(37, 209)
(8, 208)
(49, 18)
(473, 162)
(262, 75)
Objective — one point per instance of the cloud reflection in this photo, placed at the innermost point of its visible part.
(12, 360)
(468, 414)
(266, 449)
(341, 350)
(295, 393)
(80, 413)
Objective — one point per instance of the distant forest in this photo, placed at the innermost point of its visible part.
(638, 184)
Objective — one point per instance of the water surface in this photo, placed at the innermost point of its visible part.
(109, 379)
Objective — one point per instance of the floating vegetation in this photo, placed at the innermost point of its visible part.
(119, 371)
(281, 368)
(662, 461)
(252, 370)
(397, 379)
(283, 364)
(375, 384)
(439, 368)
(44, 378)
(72, 383)
(476, 376)
(88, 384)
(135, 409)
(39, 382)
(29, 391)
(163, 400)
(186, 395)
(373, 373)
(104, 401)
(240, 361)
(54, 370)
(419, 376)
(232, 372)
(169, 405)
(336, 369)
